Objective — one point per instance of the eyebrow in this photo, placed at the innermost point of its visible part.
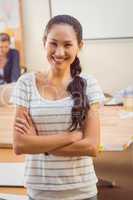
(66, 41)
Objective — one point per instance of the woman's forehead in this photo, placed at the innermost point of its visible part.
(59, 31)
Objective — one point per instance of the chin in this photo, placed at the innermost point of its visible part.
(59, 66)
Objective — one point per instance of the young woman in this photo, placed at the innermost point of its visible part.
(57, 121)
(9, 61)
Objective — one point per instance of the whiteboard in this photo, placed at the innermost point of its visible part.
(100, 18)
(12, 174)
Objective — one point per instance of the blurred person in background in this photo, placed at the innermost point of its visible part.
(9, 61)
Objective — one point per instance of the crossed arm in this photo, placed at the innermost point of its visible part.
(90, 141)
(76, 143)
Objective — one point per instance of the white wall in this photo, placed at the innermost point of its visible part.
(35, 16)
(111, 61)
(99, 18)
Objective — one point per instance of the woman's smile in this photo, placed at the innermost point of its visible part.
(58, 60)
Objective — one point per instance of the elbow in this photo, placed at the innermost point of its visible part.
(93, 150)
(18, 150)
(18, 144)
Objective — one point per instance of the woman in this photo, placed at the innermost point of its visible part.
(57, 123)
(9, 61)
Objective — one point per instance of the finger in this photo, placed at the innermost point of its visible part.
(28, 118)
(22, 127)
(19, 130)
(31, 123)
(22, 121)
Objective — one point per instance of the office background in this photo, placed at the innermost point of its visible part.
(110, 60)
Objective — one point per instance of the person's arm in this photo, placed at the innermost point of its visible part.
(88, 146)
(15, 71)
(26, 140)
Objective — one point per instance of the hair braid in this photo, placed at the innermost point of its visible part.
(77, 88)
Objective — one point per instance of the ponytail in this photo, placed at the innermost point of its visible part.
(77, 88)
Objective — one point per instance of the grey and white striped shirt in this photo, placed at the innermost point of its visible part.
(56, 173)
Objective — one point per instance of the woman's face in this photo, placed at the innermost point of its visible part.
(4, 48)
(61, 46)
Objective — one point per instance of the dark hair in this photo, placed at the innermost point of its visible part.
(77, 87)
(4, 37)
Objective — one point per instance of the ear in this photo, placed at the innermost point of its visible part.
(81, 44)
(44, 40)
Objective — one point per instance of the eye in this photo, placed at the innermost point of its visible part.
(53, 44)
(68, 45)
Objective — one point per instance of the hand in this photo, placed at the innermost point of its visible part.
(25, 125)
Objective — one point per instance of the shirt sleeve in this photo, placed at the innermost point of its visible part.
(15, 71)
(94, 91)
(20, 95)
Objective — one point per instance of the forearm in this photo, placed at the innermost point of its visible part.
(80, 148)
(33, 144)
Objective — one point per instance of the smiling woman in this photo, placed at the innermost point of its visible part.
(61, 46)
(65, 129)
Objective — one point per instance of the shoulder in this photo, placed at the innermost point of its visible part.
(91, 80)
(22, 90)
(94, 90)
(33, 76)
(13, 52)
(87, 76)
(26, 78)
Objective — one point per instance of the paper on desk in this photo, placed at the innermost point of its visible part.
(125, 114)
(111, 102)
(11, 174)
(12, 197)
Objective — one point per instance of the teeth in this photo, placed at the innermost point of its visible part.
(58, 60)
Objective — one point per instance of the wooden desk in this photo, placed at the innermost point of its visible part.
(116, 135)
(6, 125)
(7, 155)
(116, 132)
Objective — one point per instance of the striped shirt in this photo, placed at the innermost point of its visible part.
(56, 173)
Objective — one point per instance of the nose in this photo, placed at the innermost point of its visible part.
(59, 52)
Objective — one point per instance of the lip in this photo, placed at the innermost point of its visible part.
(58, 60)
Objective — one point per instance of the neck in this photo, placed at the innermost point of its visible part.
(57, 75)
